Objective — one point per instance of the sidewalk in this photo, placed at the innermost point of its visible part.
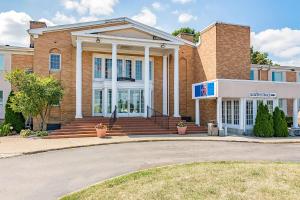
(16, 145)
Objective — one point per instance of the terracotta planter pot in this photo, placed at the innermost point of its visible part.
(181, 130)
(101, 133)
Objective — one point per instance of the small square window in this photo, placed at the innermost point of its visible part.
(55, 61)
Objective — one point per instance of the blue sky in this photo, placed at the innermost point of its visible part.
(275, 25)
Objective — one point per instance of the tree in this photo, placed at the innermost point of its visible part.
(260, 58)
(264, 122)
(187, 30)
(280, 124)
(34, 95)
(16, 119)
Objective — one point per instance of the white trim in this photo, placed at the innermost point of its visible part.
(60, 57)
(105, 29)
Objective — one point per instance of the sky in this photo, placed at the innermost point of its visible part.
(275, 25)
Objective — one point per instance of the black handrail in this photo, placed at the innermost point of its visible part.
(158, 117)
(112, 119)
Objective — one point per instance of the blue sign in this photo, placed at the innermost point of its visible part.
(206, 89)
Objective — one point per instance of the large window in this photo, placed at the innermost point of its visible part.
(120, 67)
(128, 68)
(270, 105)
(252, 75)
(249, 112)
(97, 67)
(229, 114)
(223, 112)
(236, 112)
(98, 102)
(109, 101)
(1, 62)
(108, 66)
(1, 97)
(138, 70)
(55, 61)
(277, 76)
(150, 70)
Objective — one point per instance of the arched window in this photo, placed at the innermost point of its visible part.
(54, 59)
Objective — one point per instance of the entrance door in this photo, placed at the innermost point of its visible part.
(123, 99)
(98, 103)
(135, 101)
(130, 102)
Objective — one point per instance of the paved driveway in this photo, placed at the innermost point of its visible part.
(53, 174)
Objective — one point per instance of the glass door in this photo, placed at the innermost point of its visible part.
(130, 102)
(98, 102)
(135, 101)
(123, 100)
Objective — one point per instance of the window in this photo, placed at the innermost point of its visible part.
(1, 97)
(252, 75)
(236, 112)
(277, 76)
(138, 70)
(128, 68)
(108, 66)
(229, 115)
(223, 112)
(280, 104)
(120, 67)
(270, 105)
(1, 62)
(109, 101)
(249, 112)
(97, 67)
(150, 70)
(298, 76)
(55, 61)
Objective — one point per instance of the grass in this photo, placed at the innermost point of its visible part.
(217, 180)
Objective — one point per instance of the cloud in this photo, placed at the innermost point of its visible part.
(185, 18)
(283, 45)
(47, 21)
(93, 7)
(13, 28)
(88, 19)
(146, 17)
(157, 6)
(182, 1)
(61, 18)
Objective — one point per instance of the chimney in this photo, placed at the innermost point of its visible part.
(187, 36)
(34, 25)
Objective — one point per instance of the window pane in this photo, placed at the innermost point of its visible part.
(138, 70)
(229, 116)
(249, 112)
(120, 67)
(1, 62)
(128, 68)
(252, 75)
(98, 101)
(54, 61)
(142, 101)
(108, 66)
(223, 112)
(97, 67)
(109, 101)
(236, 112)
(150, 70)
(270, 105)
(277, 76)
(1, 97)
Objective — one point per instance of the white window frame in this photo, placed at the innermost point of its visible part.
(101, 77)
(224, 114)
(60, 58)
(280, 71)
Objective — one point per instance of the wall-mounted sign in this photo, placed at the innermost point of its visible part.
(204, 90)
(262, 94)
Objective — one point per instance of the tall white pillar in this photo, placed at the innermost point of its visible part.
(219, 113)
(114, 77)
(146, 81)
(165, 85)
(197, 112)
(176, 82)
(78, 79)
(242, 113)
(295, 113)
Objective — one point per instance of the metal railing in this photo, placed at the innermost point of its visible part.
(158, 117)
(112, 119)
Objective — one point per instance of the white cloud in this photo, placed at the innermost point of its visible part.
(47, 21)
(156, 5)
(61, 18)
(146, 17)
(93, 7)
(282, 44)
(182, 1)
(88, 19)
(185, 18)
(13, 28)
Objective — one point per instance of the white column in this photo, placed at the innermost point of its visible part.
(295, 113)
(242, 113)
(219, 113)
(197, 112)
(78, 79)
(165, 85)
(146, 81)
(176, 83)
(114, 76)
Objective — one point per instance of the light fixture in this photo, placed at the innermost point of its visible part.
(98, 40)
(163, 45)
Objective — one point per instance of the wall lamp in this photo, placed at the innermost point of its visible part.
(98, 40)
(163, 45)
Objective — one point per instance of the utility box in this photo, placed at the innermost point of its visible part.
(213, 129)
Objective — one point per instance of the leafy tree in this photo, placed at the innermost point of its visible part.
(264, 122)
(260, 58)
(187, 30)
(280, 124)
(16, 119)
(34, 95)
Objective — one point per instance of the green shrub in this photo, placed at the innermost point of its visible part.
(41, 133)
(26, 132)
(289, 121)
(14, 118)
(280, 125)
(5, 129)
(264, 122)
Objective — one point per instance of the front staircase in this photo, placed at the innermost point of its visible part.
(85, 127)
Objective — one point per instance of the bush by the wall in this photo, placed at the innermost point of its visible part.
(264, 122)
(25, 132)
(5, 129)
(289, 120)
(15, 119)
(280, 124)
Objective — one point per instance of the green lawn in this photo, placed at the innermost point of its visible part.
(218, 180)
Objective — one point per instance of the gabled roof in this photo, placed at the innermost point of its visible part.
(136, 25)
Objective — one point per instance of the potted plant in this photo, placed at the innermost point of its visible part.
(181, 128)
(101, 130)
